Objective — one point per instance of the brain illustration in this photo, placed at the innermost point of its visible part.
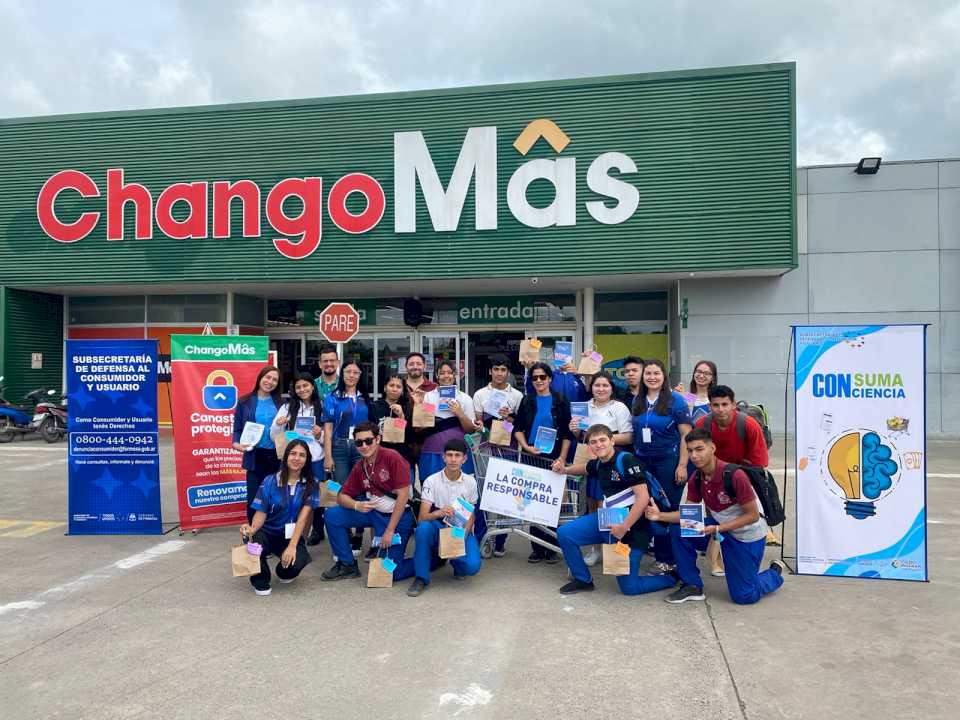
(877, 467)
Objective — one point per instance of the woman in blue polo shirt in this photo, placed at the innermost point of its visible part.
(343, 409)
(283, 506)
(661, 420)
(259, 406)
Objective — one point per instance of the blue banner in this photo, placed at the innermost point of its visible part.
(114, 463)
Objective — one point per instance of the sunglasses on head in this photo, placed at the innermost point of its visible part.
(538, 377)
(365, 441)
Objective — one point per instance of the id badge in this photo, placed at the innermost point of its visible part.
(288, 530)
(647, 434)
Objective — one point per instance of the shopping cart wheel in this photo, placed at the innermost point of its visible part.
(486, 552)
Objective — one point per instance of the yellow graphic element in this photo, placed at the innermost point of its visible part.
(803, 463)
(30, 528)
(220, 374)
(913, 460)
(541, 128)
(536, 344)
(843, 463)
(898, 424)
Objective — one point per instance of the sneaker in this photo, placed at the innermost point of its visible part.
(499, 553)
(286, 581)
(262, 593)
(778, 566)
(686, 592)
(718, 572)
(416, 587)
(663, 568)
(575, 586)
(316, 537)
(371, 554)
(551, 558)
(592, 557)
(356, 552)
(535, 557)
(340, 572)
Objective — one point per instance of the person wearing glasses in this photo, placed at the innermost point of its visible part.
(543, 408)
(374, 496)
(703, 381)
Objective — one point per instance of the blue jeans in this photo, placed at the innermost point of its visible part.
(345, 456)
(339, 520)
(425, 553)
(585, 531)
(664, 469)
(741, 562)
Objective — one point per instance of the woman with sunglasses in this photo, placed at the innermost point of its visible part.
(543, 408)
(258, 406)
(452, 423)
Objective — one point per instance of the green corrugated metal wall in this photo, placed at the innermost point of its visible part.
(714, 151)
(32, 322)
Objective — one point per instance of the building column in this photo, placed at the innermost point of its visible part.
(588, 316)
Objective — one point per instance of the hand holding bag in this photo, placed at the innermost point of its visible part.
(590, 364)
(394, 430)
(379, 576)
(244, 564)
(423, 416)
(530, 350)
(500, 432)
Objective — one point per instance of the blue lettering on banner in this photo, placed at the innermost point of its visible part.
(200, 496)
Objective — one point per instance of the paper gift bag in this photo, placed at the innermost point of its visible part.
(616, 559)
(423, 416)
(378, 576)
(583, 455)
(530, 350)
(590, 364)
(452, 546)
(244, 564)
(500, 432)
(393, 430)
(328, 498)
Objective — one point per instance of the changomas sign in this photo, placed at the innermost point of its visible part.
(207, 209)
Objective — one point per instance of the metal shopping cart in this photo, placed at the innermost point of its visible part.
(572, 506)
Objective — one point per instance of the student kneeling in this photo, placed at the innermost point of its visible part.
(382, 480)
(738, 525)
(437, 502)
(282, 509)
(612, 473)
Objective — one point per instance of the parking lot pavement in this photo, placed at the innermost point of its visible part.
(144, 627)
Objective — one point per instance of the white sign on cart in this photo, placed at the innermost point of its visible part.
(521, 491)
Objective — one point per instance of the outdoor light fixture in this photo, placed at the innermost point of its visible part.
(868, 166)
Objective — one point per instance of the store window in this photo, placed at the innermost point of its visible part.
(631, 324)
(186, 309)
(247, 311)
(112, 310)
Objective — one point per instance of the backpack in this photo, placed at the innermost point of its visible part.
(771, 507)
(757, 412)
(657, 494)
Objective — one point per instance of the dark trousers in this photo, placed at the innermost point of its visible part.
(265, 462)
(275, 544)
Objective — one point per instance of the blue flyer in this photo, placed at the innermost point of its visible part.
(562, 353)
(545, 440)
(446, 393)
(607, 517)
(691, 520)
(581, 411)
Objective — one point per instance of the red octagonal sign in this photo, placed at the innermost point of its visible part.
(339, 322)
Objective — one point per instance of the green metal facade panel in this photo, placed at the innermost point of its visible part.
(32, 322)
(714, 150)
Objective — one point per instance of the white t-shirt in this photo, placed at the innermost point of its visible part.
(464, 400)
(316, 448)
(441, 491)
(614, 415)
(514, 397)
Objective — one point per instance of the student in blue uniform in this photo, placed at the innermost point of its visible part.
(282, 510)
(661, 419)
(614, 472)
(260, 406)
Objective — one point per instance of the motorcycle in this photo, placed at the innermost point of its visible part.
(52, 418)
(21, 419)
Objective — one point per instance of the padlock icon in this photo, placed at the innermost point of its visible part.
(220, 397)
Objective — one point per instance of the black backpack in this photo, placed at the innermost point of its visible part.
(757, 412)
(763, 485)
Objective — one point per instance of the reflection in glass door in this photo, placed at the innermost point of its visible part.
(391, 350)
(438, 347)
(481, 345)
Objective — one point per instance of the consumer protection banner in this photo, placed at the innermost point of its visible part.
(524, 492)
(210, 373)
(113, 460)
(861, 451)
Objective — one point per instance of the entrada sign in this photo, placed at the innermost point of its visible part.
(412, 165)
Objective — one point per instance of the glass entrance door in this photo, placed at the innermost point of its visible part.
(379, 355)
(438, 347)
(549, 338)
(481, 345)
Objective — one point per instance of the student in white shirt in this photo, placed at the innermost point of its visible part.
(499, 374)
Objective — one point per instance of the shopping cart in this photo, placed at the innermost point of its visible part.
(572, 505)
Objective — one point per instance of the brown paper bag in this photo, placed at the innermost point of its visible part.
(244, 564)
(590, 364)
(394, 430)
(281, 442)
(500, 435)
(377, 576)
(583, 455)
(450, 546)
(328, 499)
(530, 350)
(423, 417)
(615, 562)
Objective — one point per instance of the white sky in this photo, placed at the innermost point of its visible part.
(875, 77)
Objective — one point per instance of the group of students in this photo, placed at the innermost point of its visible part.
(644, 431)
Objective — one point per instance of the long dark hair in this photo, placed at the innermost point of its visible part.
(275, 394)
(693, 378)
(294, 403)
(404, 399)
(341, 390)
(306, 474)
(456, 376)
(664, 399)
(608, 377)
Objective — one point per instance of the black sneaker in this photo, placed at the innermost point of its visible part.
(316, 537)
(371, 554)
(551, 558)
(778, 566)
(686, 592)
(416, 587)
(340, 572)
(575, 586)
(535, 557)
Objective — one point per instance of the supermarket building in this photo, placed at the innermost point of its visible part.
(659, 215)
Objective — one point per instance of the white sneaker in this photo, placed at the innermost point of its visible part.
(719, 572)
(663, 568)
(262, 593)
(592, 557)
(286, 581)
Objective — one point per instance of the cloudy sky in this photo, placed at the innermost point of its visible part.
(878, 77)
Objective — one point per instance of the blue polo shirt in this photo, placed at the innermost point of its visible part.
(344, 412)
(664, 430)
(280, 506)
(265, 413)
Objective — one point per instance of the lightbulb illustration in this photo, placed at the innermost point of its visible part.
(862, 467)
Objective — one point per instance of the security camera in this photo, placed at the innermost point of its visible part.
(534, 280)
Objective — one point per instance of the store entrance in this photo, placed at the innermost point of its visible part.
(480, 346)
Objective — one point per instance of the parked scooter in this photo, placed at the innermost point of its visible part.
(21, 419)
(53, 419)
